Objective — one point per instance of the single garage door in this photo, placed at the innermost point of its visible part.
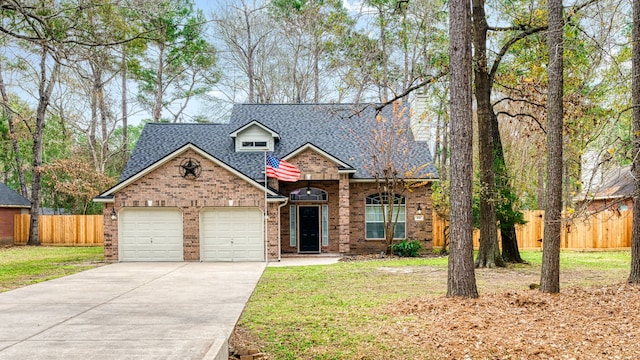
(150, 235)
(232, 234)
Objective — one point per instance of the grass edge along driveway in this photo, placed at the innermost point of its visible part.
(25, 265)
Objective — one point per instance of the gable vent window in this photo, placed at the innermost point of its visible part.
(253, 144)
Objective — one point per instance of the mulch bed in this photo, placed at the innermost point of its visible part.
(578, 323)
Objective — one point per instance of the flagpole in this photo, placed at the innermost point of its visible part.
(266, 212)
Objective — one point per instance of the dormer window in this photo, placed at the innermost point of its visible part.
(254, 137)
(254, 144)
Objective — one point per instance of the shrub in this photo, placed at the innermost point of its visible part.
(407, 248)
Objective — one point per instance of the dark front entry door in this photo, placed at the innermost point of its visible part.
(309, 228)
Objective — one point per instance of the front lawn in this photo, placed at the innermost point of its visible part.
(26, 265)
(395, 309)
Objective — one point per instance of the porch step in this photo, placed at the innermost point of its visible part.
(321, 255)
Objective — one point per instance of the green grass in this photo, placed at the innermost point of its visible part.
(26, 265)
(337, 311)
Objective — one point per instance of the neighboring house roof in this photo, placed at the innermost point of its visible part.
(332, 128)
(10, 198)
(616, 183)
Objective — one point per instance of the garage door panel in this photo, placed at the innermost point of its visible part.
(151, 235)
(232, 234)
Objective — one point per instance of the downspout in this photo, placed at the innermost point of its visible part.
(280, 227)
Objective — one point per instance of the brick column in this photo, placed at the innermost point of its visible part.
(273, 223)
(110, 234)
(343, 213)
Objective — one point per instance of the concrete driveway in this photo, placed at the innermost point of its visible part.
(128, 311)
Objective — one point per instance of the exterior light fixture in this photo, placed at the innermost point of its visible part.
(308, 190)
(114, 216)
(418, 216)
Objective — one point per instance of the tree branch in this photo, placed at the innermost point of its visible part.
(515, 116)
(528, 102)
(410, 89)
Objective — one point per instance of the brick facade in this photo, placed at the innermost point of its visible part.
(346, 203)
(416, 230)
(6, 224)
(165, 187)
(215, 187)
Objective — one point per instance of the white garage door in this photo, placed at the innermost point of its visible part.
(232, 234)
(150, 235)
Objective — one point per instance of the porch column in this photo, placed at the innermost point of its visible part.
(343, 213)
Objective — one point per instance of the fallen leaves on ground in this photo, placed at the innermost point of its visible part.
(578, 323)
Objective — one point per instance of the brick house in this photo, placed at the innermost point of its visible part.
(194, 192)
(11, 203)
(614, 192)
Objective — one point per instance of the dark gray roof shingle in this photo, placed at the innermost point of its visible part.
(617, 183)
(333, 128)
(9, 197)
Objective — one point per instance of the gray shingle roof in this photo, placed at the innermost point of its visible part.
(8, 197)
(617, 183)
(333, 128)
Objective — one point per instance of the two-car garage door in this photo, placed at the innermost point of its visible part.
(226, 234)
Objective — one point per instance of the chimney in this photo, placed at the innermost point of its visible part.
(423, 126)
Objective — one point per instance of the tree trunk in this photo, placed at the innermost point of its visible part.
(550, 275)
(125, 116)
(156, 112)
(13, 136)
(461, 279)
(634, 275)
(250, 48)
(316, 73)
(445, 150)
(489, 252)
(540, 184)
(510, 251)
(94, 120)
(45, 89)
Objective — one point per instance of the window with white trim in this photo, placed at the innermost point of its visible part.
(325, 225)
(292, 225)
(374, 219)
(254, 144)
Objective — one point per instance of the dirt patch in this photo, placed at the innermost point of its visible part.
(578, 323)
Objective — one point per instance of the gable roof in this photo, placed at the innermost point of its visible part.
(106, 196)
(10, 198)
(255, 123)
(342, 165)
(331, 128)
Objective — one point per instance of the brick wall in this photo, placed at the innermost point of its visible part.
(416, 230)
(165, 187)
(317, 166)
(6, 224)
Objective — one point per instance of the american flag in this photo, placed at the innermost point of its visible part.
(282, 170)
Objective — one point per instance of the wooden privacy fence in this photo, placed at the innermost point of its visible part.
(604, 230)
(61, 230)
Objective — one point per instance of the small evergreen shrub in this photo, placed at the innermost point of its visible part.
(406, 248)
